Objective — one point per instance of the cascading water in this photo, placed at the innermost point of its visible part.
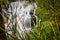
(19, 12)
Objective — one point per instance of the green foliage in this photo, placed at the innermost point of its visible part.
(48, 11)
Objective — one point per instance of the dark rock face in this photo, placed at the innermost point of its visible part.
(33, 18)
(2, 33)
(12, 0)
(0, 8)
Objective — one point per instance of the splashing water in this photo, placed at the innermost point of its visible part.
(19, 12)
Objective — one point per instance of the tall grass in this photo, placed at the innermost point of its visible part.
(48, 23)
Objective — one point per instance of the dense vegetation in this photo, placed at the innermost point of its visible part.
(48, 12)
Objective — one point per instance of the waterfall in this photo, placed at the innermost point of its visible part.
(19, 12)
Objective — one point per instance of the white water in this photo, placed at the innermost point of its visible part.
(23, 17)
